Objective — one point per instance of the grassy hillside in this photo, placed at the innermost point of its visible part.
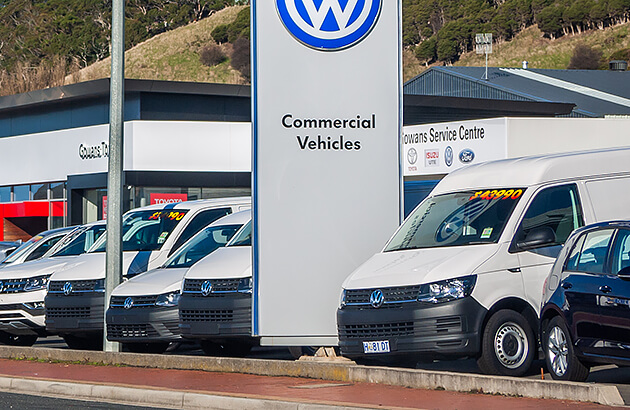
(173, 56)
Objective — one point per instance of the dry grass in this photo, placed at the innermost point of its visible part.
(172, 56)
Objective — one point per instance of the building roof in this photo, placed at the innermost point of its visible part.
(596, 93)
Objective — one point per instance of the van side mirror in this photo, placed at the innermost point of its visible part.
(624, 273)
(536, 238)
(9, 251)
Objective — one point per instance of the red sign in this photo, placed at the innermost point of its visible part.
(168, 198)
(105, 207)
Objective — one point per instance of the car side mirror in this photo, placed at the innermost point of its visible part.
(9, 251)
(536, 238)
(624, 273)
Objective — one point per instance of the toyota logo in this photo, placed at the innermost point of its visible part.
(128, 303)
(377, 298)
(67, 288)
(412, 156)
(206, 288)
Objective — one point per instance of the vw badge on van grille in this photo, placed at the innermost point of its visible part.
(377, 298)
(329, 24)
(128, 303)
(206, 288)
(67, 288)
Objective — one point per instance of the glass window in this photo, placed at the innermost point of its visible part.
(58, 190)
(202, 244)
(199, 221)
(557, 208)
(243, 237)
(40, 191)
(461, 218)
(5, 194)
(79, 241)
(43, 247)
(593, 256)
(21, 193)
(572, 261)
(621, 253)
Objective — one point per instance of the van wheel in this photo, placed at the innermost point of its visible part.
(507, 345)
(13, 340)
(561, 360)
(83, 343)
(157, 348)
(226, 349)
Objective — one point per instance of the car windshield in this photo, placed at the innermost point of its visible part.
(77, 242)
(455, 219)
(24, 248)
(145, 230)
(243, 237)
(201, 245)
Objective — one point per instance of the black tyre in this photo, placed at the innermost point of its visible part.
(83, 343)
(560, 357)
(226, 349)
(13, 340)
(507, 346)
(157, 348)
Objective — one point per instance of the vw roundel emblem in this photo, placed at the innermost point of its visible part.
(412, 156)
(128, 303)
(377, 298)
(448, 156)
(206, 288)
(329, 24)
(67, 288)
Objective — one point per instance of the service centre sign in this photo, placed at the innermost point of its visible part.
(326, 151)
(444, 147)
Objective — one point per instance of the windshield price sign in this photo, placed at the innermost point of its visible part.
(170, 215)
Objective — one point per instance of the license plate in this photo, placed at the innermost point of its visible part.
(381, 346)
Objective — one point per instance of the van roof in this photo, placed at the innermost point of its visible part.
(528, 171)
(198, 204)
(237, 218)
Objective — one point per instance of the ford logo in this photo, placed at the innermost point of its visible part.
(128, 303)
(67, 288)
(466, 156)
(329, 25)
(206, 288)
(377, 298)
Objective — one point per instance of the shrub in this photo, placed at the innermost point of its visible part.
(585, 58)
(241, 56)
(212, 55)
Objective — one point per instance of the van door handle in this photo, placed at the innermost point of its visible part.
(514, 270)
(566, 285)
(605, 289)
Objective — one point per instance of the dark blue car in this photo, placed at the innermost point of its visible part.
(585, 317)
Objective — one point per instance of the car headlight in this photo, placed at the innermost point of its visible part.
(37, 283)
(342, 299)
(99, 286)
(245, 285)
(447, 290)
(168, 299)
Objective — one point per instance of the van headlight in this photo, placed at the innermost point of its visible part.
(168, 299)
(245, 285)
(36, 283)
(342, 299)
(447, 290)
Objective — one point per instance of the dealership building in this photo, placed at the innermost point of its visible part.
(186, 141)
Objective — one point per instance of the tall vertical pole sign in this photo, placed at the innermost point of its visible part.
(326, 174)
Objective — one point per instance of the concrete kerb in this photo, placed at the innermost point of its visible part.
(414, 378)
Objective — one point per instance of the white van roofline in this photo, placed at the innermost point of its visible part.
(529, 171)
(198, 204)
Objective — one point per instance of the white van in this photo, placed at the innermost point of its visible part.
(75, 303)
(215, 307)
(143, 311)
(36, 247)
(23, 286)
(463, 275)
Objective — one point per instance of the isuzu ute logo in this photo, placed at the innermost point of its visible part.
(128, 303)
(329, 24)
(377, 298)
(206, 288)
(67, 288)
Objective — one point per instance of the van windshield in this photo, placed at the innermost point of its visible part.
(242, 237)
(77, 242)
(201, 245)
(145, 230)
(461, 218)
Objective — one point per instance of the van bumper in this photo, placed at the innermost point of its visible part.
(214, 317)
(427, 330)
(22, 313)
(75, 314)
(143, 325)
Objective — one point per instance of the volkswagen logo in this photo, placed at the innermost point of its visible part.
(377, 298)
(329, 25)
(412, 156)
(206, 288)
(128, 303)
(448, 156)
(67, 288)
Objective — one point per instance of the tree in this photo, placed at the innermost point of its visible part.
(585, 58)
(241, 57)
